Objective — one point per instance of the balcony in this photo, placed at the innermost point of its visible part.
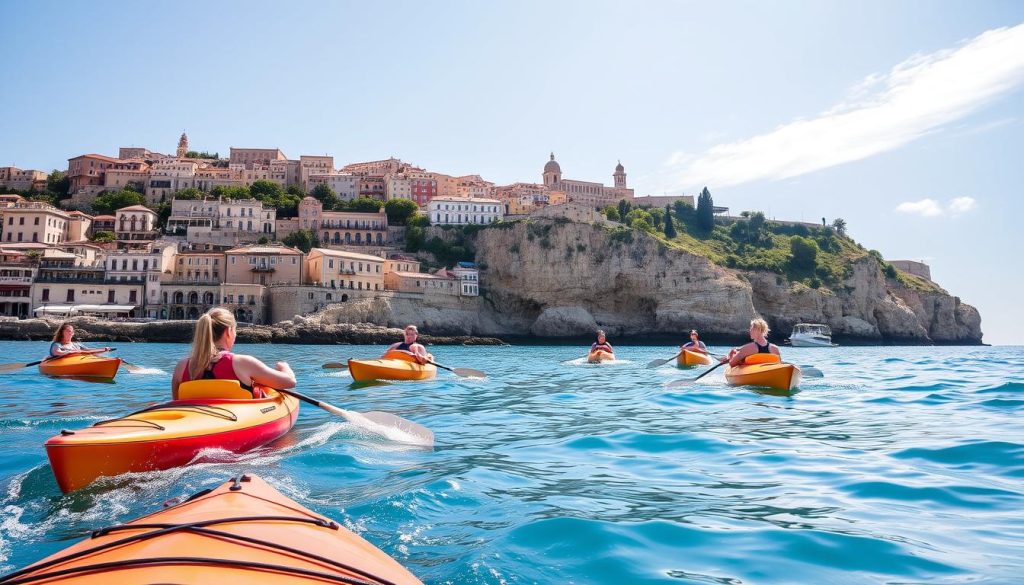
(26, 280)
(263, 268)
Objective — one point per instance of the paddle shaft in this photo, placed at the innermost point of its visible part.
(709, 370)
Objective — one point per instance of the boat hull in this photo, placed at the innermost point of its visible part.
(395, 365)
(689, 359)
(168, 435)
(247, 532)
(779, 376)
(81, 366)
(596, 357)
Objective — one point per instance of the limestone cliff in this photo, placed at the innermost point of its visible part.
(554, 278)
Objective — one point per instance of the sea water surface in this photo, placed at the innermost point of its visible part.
(900, 465)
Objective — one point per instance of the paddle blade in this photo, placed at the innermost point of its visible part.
(387, 425)
(657, 363)
(469, 373)
(335, 366)
(131, 367)
(811, 372)
(680, 383)
(12, 367)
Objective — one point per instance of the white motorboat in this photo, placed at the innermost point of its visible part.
(811, 335)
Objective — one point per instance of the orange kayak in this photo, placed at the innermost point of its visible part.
(780, 376)
(395, 365)
(81, 365)
(688, 359)
(241, 532)
(596, 357)
(171, 434)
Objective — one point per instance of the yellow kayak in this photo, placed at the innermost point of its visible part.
(395, 365)
(764, 370)
(688, 359)
(209, 414)
(84, 365)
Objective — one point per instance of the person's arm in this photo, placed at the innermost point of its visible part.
(179, 372)
(280, 376)
(775, 350)
(742, 354)
(420, 353)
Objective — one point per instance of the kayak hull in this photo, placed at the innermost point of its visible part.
(395, 365)
(689, 359)
(81, 366)
(237, 543)
(779, 376)
(596, 357)
(168, 435)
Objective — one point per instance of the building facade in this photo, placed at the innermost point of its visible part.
(340, 269)
(35, 221)
(263, 265)
(459, 211)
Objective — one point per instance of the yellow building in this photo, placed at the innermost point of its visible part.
(35, 221)
(341, 269)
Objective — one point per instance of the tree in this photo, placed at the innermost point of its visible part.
(57, 182)
(295, 190)
(108, 202)
(840, 226)
(325, 195)
(638, 214)
(230, 192)
(266, 191)
(399, 210)
(684, 211)
(263, 240)
(363, 204)
(705, 211)
(756, 222)
(163, 212)
(190, 194)
(103, 236)
(611, 212)
(414, 238)
(670, 227)
(418, 219)
(624, 208)
(804, 253)
(304, 240)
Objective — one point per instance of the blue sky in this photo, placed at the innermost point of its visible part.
(904, 118)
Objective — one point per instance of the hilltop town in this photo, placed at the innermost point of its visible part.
(203, 231)
(148, 237)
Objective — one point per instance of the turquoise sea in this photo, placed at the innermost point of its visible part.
(900, 465)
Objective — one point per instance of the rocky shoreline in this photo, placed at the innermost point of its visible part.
(302, 332)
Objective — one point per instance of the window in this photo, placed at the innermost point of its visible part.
(46, 294)
(110, 296)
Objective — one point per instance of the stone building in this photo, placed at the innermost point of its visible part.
(586, 192)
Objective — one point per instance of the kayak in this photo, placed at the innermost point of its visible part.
(243, 531)
(209, 414)
(764, 370)
(688, 359)
(596, 357)
(81, 365)
(395, 365)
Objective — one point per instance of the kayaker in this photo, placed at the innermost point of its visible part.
(410, 346)
(695, 344)
(212, 358)
(601, 344)
(63, 346)
(759, 344)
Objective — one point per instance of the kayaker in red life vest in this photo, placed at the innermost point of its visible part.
(63, 346)
(759, 344)
(601, 344)
(212, 358)
(695, 344)
(410, 346)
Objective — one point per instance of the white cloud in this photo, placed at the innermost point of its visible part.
(962, 205)
(932, 208)
(883, 112)
(924, 208)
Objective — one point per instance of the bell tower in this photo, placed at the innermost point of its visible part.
(182, 145)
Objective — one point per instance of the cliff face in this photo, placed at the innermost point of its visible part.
(562, 279)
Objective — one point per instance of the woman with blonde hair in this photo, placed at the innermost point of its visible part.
(63, 346)
(759, 344)
(211, 358)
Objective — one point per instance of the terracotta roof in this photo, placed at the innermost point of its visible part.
(345, 254)
(137, 208)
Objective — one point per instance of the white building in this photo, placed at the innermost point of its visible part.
(464, 211)
(224, 222)
(469, 276)
(146, 267)
(167, 177)
(345, 185)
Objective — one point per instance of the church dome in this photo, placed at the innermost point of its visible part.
(552, 165)
(619, 168)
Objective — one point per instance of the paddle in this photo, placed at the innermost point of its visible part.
(678, 383)
(385, 424)
(464, 372)
(334, 366)
(658, 363)
(811, 372)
